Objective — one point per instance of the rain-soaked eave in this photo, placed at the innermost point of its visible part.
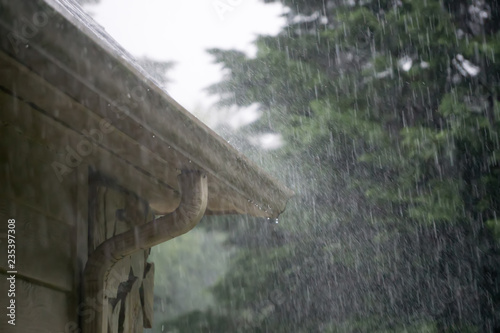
(71, 52)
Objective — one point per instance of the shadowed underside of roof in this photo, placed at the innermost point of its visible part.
(55, 45)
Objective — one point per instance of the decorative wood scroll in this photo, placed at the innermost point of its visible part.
(129, 286)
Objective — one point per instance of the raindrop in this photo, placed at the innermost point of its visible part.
(424, 64)
(136, 235)
(405, 63)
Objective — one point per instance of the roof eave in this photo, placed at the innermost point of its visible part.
(63, 47)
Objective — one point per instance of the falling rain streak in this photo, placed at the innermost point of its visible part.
(383, 117)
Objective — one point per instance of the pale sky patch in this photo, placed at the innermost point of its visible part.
(268, 141)
(181, 31)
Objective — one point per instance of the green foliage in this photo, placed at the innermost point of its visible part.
(376, 325)
(392, 148)
(198, 321)
(494, 226)
(182, 278)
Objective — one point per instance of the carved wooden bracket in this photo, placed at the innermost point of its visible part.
(129, 285)
(117, 277)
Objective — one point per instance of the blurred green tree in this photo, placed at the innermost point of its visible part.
(389, 111)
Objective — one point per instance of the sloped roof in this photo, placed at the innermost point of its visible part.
(66, 48)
